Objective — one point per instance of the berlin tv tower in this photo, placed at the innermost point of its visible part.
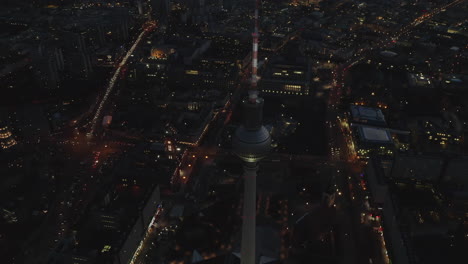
(251, 143)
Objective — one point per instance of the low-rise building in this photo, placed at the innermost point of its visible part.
(369, 140)
(367, 115)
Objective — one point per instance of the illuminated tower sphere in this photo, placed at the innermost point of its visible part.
(252, 140)
(6, 138)
(251, 143)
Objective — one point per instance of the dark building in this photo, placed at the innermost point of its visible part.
(417, 167)
(160, 10)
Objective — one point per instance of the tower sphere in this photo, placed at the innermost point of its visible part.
(251, 145)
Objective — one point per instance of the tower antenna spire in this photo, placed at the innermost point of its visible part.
(253, 91)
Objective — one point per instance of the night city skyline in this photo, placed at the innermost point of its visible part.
(233, 131)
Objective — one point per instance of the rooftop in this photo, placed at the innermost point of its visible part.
(374, 134)
(365, 114)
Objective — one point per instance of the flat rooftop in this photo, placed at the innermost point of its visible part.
(363, 113)
(374, 134)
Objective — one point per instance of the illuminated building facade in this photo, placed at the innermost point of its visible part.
(154, 67)
(6, 138)
(161, 53)
(210, 74)
(435, 133)
(284, 80)
(171, 149)
(370, 132)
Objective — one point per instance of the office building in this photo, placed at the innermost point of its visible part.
(286, 79)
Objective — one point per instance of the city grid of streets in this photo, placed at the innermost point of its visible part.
(99, 151)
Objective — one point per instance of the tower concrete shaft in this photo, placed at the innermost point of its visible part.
(140, 7)
(251, 143)
(249, 213)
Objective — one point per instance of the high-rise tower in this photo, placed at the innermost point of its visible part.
(251, 143)
(140, 7)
